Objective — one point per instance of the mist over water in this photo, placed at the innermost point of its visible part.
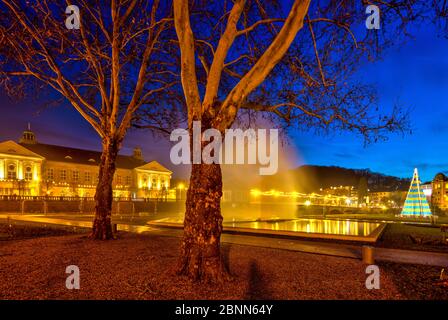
(239, 204)
(276, 203)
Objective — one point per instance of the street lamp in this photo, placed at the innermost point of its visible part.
(180, 187)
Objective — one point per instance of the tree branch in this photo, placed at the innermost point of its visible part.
(264, 65)
(188, 65)
(224, 44)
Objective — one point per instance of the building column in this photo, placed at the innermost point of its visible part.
(37, 177)
(2, 169)
(19, 170)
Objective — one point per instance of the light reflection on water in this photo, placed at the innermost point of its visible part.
(338, 227)
(319, 226)
(322, 226)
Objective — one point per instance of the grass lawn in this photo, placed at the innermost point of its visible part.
(397, 235)
(25, 230)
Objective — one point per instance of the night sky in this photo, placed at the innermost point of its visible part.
(416, 75)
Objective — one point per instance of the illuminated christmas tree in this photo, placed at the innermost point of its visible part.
(416, 203)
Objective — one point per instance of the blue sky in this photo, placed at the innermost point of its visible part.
(416, 76)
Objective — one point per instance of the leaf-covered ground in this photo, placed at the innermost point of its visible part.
(142, 267)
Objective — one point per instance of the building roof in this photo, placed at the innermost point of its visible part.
(79, 156)
(153, 166)
(441, 176)
(13, 148)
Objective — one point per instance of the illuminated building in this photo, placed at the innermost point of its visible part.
(349, 191)
(387, 198)
(30, 168)
(439, 196)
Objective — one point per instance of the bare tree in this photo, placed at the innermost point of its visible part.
(294, 63)
(291, 61)
(110, 68)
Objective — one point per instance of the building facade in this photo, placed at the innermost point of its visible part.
(390, 199)
(29, 168)
(439, 196)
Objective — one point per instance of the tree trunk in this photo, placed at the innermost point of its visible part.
(102, 228)
(200, 249)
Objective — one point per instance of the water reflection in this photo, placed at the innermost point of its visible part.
(338, 227)
(322, 226)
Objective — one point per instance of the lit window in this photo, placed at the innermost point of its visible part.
(63, 174)
(12, 172)
(28, 173)
(119, 179)
(128, 180)
(50, 174)
(75, 175)
(87, 176)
